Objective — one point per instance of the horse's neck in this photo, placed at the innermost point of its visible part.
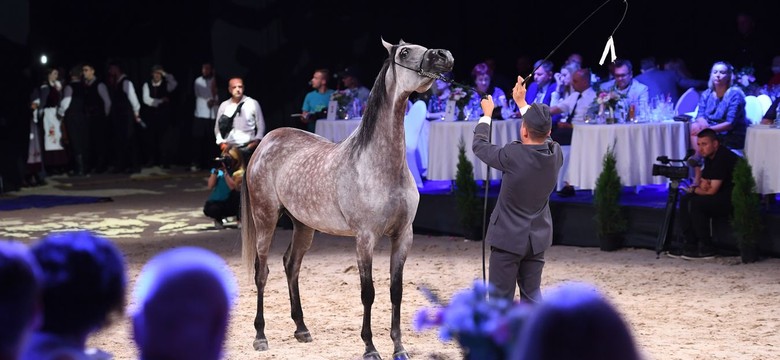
(388, 142)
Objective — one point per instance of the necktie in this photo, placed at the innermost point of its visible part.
(574, 108)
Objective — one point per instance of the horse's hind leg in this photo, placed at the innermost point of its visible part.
(365, 253)
(401, 244)
(301, 242)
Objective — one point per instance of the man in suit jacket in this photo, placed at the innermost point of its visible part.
(661, 82)
(624, 84)
(540, 91)
(520, 228)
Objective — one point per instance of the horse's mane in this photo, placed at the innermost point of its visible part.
(375, 100)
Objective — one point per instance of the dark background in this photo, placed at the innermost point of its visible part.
(275, 45)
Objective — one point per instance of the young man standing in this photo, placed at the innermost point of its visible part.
(246, 122)
(520, 228)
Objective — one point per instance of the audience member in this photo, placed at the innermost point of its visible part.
(20, 298)
(663, 83)
(523, 65)
(46, 100)
(563, 86)
(541, 89)
(745, 78)
(158, 115)
(182, 299)
(574, 108)
(315, 104)
(624, 84)
(480, 74)
(125, 119)
(206, 103)
(575, 322)
(709, 197)
(72, 111)
(97, 107)
(748, 46)
(497, 78)
(351, 77)
(520, 228)
(224, 199)
(575, 58)
(721, 108)
(245, 125)
(83, 291)
(440, 94)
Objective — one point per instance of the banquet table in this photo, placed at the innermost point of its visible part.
(759, 144)
(636, 146)
(443, 146)
(336, 130)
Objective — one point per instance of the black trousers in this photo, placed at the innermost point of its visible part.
(204, 147)
(695, 214)
(218, 210)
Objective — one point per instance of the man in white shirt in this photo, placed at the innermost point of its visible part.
(156, 95)
(206, 103)
(244, 119)
(575, 106)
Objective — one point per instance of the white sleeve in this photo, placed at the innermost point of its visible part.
(524, 109)
(103, 92)
(67, 96)
(146, 97)
(127, 86)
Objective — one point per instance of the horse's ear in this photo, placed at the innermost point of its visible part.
(402, 42)
(386, 44)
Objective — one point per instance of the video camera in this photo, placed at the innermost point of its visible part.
(668, 170)
(225, 161)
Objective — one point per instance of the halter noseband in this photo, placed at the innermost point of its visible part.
(435, 76)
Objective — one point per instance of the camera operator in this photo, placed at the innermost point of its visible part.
(224, 199)
(707, 198)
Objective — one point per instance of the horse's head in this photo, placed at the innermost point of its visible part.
(420, 62)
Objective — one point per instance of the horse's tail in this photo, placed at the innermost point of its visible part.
(248, 231)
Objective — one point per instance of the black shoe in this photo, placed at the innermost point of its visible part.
(675, 253)
(567, 191)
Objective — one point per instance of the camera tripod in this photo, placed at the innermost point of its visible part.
(667, 228)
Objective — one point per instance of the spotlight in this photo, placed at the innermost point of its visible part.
(44, 59)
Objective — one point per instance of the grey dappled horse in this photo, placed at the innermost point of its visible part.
(361, 187)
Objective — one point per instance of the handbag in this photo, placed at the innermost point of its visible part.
(225, 123)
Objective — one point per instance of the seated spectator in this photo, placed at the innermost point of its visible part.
(662, 83)
(543, 86)
(775, 79)
(563, 83)
(352, 82)
(440, 94)
(182, 303)
(708, 197)
(20, 298)
(315, 103)
(224, 199)
(624, 84)
(721, 108)
(83, 291)
(483, 82)
(575, 322)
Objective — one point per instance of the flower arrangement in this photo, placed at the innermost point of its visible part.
(483, 326)
(342, 97)
(608, 99)
(460, 96)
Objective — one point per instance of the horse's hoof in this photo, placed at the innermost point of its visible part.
(374, 355)
(260, 344)
(303, 336)
(401, 355)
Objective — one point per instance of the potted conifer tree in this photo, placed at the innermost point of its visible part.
(610, 222)
(747, 211)
(466, 196)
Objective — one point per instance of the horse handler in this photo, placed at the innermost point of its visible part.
(520, 227)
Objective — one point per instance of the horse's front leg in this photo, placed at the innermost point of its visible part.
(302, 238)
(365, 254)
(401, 244)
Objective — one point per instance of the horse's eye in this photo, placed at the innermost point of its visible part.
(404, 53)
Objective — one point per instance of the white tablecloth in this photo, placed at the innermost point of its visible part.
(637, 147)
(336, 130)
(760, 145)
(443, 150)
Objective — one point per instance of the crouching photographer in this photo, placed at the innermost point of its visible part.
(224, 199)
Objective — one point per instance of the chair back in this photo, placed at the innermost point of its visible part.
(765, 101)
(753, 109)
(687, 102)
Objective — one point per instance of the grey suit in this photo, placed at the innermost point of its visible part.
(520, 227)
